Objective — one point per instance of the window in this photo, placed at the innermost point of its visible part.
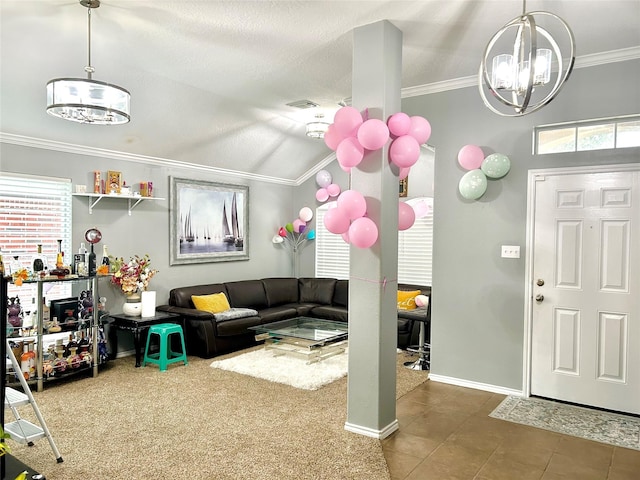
(414, 249)
(34, 210)
(619, 132)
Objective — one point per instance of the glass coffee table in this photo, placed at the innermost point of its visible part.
(309, 338)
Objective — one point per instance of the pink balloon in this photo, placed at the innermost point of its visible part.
(404, 151)
(333, 190)
(399, 124)
(336, 220)
(349, 152)
(404, 173)
(297, 223)
(347, 121)
(322, 195)
(421, 209)
(352, 204)
(373, 134)
(346, 169)
(420, 129)
(363, 232)
(406, 216)
(345, 237)
(332, 137)
(470, 157)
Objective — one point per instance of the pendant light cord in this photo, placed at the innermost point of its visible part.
(89, 69)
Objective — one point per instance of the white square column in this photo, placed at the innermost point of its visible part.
(373, 325)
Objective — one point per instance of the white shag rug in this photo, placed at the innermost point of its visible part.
(285, 369)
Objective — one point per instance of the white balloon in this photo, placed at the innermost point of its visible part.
(306, 214)
(323, 178)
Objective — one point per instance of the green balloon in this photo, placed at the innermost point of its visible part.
(289, 227)
(496, 165)
(473, 184)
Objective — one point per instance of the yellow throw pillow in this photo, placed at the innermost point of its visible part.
(407, 300)
(214, 303)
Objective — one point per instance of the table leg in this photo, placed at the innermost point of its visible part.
(136, 345)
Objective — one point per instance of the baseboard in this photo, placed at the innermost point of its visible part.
(369, 432)
(476, 385)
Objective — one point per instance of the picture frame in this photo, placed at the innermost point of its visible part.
(114, 182)
(209, 222)
(404, 187)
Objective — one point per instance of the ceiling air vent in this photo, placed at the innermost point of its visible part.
(303, 104)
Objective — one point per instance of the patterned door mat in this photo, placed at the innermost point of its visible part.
(614, 429)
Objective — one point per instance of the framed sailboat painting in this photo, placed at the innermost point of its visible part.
(209, 222)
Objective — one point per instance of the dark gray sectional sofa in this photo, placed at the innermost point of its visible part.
(273, 299)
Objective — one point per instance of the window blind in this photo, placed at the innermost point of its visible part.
(33, 210)
(332, 253)
(414, 250)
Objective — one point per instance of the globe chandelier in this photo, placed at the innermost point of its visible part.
(86, 100)
(515, 87)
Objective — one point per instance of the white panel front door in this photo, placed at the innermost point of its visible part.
(585, 333)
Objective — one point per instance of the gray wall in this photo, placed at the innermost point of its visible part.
(478, 297)
(147, 229)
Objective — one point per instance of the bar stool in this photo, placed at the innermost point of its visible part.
(423, 349)
(165, 355)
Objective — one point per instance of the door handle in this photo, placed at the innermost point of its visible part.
(539, 298)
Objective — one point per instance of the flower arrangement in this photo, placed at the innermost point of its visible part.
(134, 276)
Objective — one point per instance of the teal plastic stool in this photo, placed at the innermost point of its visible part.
(165, 356)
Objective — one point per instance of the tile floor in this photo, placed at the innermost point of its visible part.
(446, 434)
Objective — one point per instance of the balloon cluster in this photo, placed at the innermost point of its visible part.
(350, 135)
(473, 184)
(296, 233)
(327, 188)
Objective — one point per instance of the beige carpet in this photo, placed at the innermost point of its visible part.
(202, 423)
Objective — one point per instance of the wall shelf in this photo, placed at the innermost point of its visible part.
(133, 200)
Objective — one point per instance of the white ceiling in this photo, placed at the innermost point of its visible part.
(210, 80)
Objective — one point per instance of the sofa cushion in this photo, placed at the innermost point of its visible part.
(247, 293)
(214, 303)
(238, 326)
(341, 293)
(274, 314)
(328, 312)
(181, 297)
(420, 314)
(280, 290)
(235, 313)
(316, 290)
(407, 299)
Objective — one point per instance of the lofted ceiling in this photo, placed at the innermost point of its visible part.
(210, 80)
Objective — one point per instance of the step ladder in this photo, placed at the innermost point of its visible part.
(23, 431)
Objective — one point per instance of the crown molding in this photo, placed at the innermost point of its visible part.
(592, 60)
(131, 157)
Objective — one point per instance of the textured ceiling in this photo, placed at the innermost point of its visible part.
(210, 80)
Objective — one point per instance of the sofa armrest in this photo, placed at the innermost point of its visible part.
(186, 312)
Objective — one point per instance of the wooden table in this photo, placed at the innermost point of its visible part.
(138, 325)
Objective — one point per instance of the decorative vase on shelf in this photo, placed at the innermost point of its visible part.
(132, 305)
(148, 300)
